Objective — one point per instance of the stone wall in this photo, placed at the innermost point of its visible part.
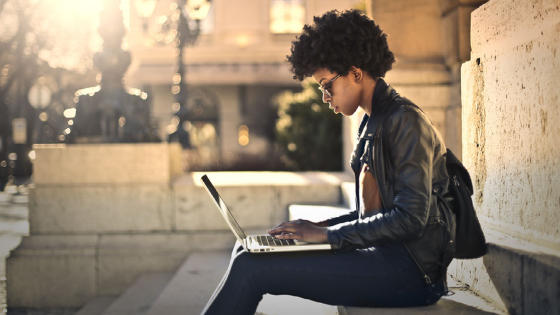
(510, 115)
(510, 100)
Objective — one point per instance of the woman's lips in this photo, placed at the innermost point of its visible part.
(336, 109)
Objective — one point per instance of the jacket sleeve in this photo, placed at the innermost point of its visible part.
(410, 151)
(351, 216)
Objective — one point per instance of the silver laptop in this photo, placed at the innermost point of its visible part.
(258, 243)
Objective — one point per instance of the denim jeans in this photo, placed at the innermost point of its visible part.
(382, 276)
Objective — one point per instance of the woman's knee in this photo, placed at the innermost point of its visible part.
(247, 265)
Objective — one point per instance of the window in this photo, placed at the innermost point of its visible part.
(287, 16)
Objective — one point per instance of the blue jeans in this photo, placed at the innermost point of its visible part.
(382, 276)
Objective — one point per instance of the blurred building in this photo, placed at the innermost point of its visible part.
(233, 73)
(238, 66)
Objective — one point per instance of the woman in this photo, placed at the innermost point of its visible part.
(392, 252)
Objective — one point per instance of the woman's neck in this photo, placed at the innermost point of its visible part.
(368, 87)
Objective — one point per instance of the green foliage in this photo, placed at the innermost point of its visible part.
(308, 132)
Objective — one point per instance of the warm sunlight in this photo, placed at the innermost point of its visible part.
(63, 32)
(74, 23)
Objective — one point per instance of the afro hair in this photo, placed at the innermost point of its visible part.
(337, 41)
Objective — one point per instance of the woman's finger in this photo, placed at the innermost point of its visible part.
(280, 229)
(288, 236)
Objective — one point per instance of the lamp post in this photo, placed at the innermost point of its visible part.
(145, 9)
(40, 97)
(182, 28)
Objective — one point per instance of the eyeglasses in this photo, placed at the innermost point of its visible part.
(325, 88)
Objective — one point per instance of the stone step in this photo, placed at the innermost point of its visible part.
(519, 276)
(463, 302)
(291, 305)
(138, 298)
(192, 286)
(97, 306)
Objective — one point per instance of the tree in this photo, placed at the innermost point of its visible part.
(308, 132)
(40, 40)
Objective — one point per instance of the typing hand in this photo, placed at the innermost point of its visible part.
(301, 230)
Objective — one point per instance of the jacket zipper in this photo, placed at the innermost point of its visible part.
(426, 277)
(375, 168)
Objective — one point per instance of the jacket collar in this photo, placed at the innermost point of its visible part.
(382, 97)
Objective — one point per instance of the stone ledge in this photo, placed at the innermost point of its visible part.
(517, 275)
(254, 205)
(463, 302)
(224, 179)
(106, 163)
(85, 209)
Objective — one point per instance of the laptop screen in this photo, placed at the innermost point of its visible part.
(224, 209)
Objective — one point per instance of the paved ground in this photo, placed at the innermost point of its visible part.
(13, 225)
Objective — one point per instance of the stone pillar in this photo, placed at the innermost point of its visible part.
(510, 100)
(510, 115)
(456, 26)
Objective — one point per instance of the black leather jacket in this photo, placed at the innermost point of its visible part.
(408, 165)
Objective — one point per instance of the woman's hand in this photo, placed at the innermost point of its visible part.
(301, 230)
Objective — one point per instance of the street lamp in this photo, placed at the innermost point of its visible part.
(180, 32)
(145, 9)
(196, 9)
(39, 97)
(193, 10)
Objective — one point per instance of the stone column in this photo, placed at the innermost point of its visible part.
(456, 26)
(511, 147)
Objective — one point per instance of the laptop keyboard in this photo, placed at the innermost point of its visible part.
(272, 241)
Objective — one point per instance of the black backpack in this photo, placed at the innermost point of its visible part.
(469, 240)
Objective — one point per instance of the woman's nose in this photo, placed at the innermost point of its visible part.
(326, 98)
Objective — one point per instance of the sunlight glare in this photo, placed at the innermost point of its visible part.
(72, 29)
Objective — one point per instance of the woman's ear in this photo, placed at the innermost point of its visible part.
(357, 73)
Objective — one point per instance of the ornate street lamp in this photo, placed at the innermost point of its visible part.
(181, 29)
(145, 9)
(192, 10)
(196, 10)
